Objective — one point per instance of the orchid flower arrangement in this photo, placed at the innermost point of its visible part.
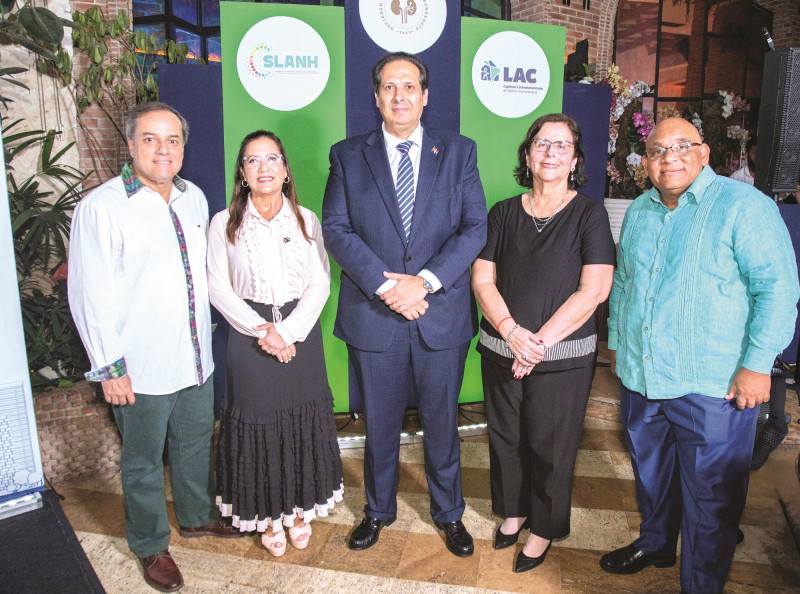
(630, 126)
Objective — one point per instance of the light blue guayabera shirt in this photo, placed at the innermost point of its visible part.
(701, 290)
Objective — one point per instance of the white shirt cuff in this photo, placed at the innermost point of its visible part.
(431, 278)
(284, 333)
(385, 287)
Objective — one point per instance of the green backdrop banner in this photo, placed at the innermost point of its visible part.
(283, 70)
(511, 73)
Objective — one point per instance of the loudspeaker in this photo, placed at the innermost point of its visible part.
(778, 157)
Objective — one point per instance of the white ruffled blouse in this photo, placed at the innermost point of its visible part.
(271, 263)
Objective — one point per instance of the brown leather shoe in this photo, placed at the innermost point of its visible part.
(161, 573)
(218, 527)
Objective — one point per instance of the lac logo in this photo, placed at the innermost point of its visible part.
(510, 74)
(283, 63)
(490, 71)
(403, 25)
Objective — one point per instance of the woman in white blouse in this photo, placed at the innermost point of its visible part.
(278, 459)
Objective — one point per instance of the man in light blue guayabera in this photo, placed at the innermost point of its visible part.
(704, 299)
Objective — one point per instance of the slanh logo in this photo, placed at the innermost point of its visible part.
(283, 63)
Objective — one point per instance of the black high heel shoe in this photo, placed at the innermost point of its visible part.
(525, 563)
(502, 540)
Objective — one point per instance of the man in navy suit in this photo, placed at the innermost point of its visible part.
(404, 215)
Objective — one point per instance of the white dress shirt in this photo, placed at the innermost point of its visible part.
(128, 287)
(394, 155)
(271, 263)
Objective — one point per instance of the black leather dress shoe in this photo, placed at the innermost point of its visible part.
(503, 540)
(219, 528)
(631, 560)
(525, 563)
(457, 539)
(366, 533)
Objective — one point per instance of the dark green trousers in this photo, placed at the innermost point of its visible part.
(186, 419)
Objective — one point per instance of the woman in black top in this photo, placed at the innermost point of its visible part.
(548, 263)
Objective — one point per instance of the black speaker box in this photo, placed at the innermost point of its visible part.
(778, 157)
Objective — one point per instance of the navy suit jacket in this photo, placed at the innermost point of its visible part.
(364, 233)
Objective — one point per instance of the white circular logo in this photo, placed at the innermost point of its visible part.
(510, 74)
(283, 63)
(403, 25)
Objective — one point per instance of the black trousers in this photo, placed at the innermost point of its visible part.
(534, 430)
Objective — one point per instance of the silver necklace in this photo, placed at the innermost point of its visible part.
(541, 223)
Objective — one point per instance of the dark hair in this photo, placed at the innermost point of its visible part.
(751, 142)
(141, 109)
(377, 70)
(240, 193)
(522, 172)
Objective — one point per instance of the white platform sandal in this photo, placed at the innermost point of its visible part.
(299, 537)
(274, 542)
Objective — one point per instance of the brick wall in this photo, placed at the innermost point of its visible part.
(99, 144)
(785, 22)
(595, 24)
(77, 433)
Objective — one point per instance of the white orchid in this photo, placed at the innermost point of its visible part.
(727, 104)
(738, 133)
(638, 89)
(698, 123)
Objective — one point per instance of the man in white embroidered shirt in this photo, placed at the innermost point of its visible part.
(139, 297)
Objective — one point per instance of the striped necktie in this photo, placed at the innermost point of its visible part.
(405, 186)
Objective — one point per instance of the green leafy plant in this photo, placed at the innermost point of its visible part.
(33, 27)
(121, 71)
(584, 73)
(40, 220)
(41, 205)
(51, 338)
(40, 202)
(117, 80)
(38, 30)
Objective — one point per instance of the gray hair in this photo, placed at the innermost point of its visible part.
(141, 109)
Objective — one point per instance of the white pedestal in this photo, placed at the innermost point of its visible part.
(616, 208)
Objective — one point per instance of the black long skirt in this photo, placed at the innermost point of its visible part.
(278, 457)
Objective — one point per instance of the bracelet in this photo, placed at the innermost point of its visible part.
(510, 334)
(501, 321)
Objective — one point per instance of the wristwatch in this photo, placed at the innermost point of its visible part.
(427, 285)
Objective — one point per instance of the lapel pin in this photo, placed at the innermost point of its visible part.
(435, 151)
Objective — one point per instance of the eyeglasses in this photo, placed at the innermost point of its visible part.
(678, 149)
(254, 161)
(561, 147)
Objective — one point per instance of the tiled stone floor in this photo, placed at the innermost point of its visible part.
(411, 556)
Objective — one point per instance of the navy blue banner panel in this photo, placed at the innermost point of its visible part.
(589, 105)
(196, 92)
(430, 29)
